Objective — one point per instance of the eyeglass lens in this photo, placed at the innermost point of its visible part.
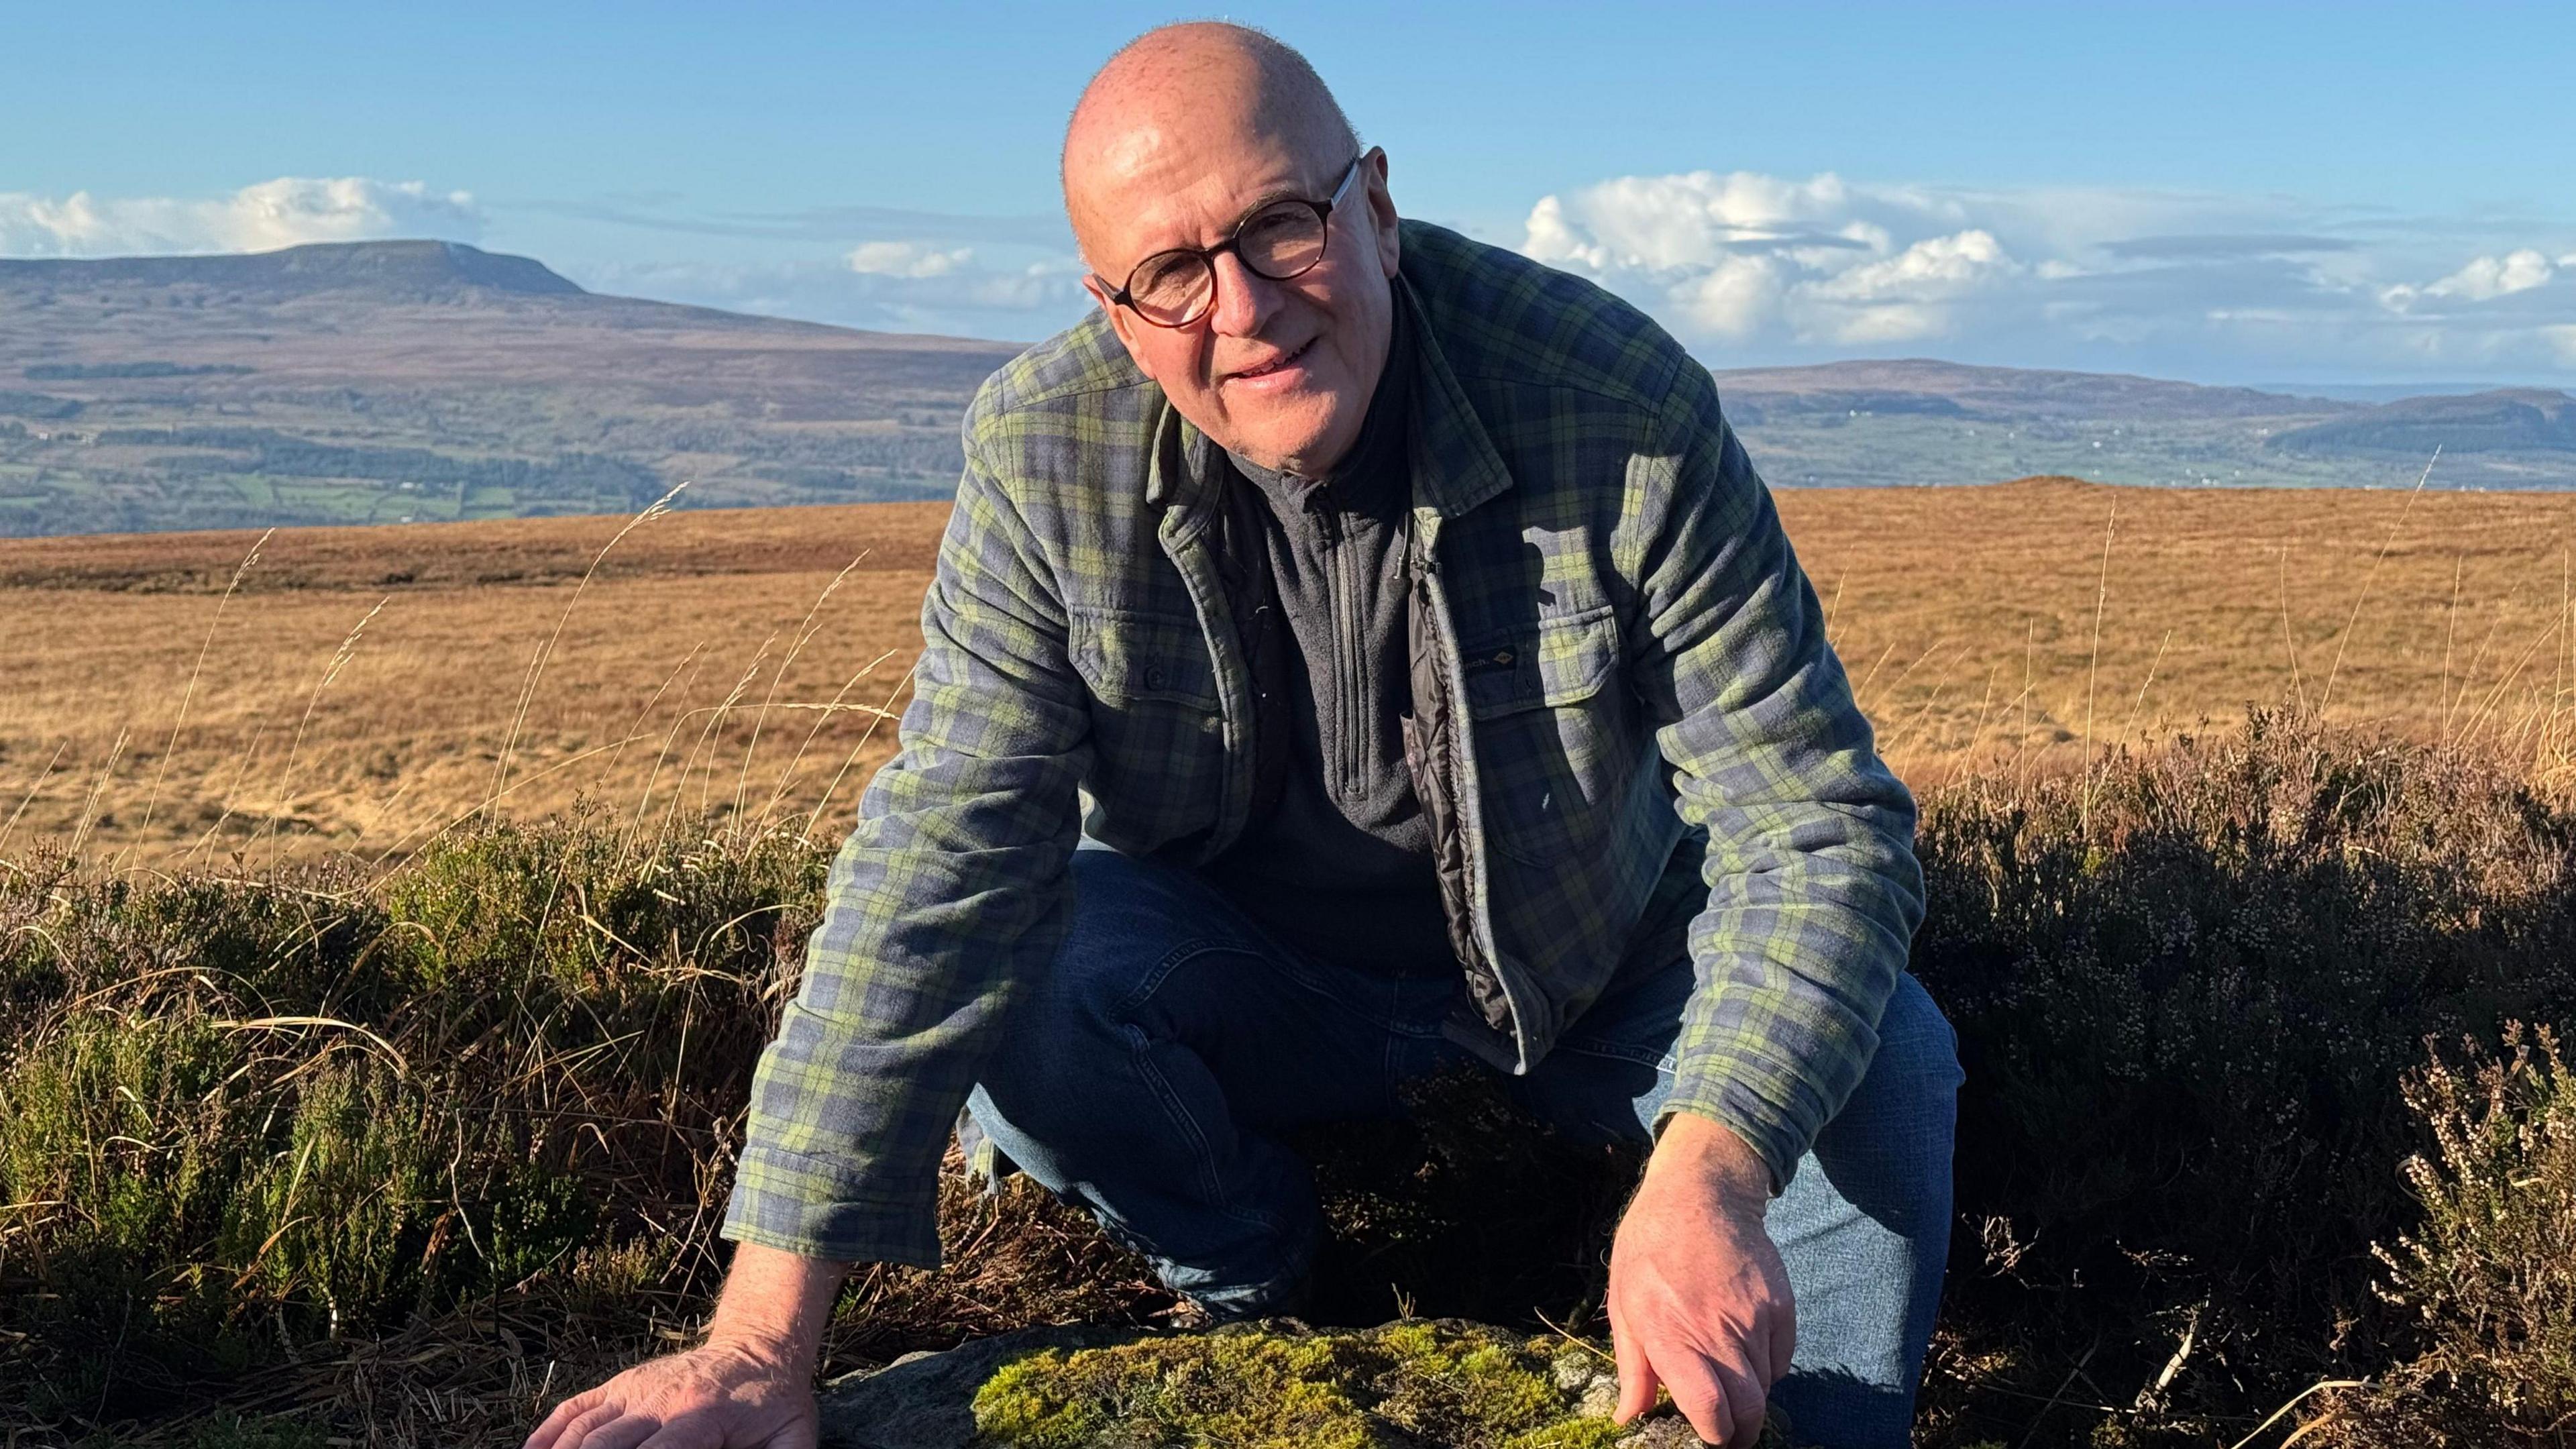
(1280, 242)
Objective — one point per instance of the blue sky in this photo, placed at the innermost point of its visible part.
(2291, 192)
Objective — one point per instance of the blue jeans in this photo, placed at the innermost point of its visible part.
(1151, 1075)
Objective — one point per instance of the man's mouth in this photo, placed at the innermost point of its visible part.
(1278, 363)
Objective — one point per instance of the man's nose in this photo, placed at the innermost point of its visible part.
(1244, 298)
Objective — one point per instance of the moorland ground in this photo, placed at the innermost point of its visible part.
(170, 696)
(323, 1123)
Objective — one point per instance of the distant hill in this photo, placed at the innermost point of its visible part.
(385, 381)
(420, 380)
(1951, 389)
(405, 270)
(2522, 420)
(1917, 421)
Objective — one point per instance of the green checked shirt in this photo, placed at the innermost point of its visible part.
(1624, 652)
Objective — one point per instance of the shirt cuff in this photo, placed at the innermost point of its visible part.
(793, 1203)
(1779, 1143)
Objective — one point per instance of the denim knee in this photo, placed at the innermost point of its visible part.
(1078, 1007)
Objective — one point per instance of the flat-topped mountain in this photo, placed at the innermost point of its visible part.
(419, 380)
(393, 269)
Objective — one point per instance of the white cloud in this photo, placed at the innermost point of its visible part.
(907, 259)
(288, 211)
(2483, 280)
(1743, 255)
(1753, 267)
(2495, 277)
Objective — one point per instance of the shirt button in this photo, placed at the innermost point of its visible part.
(1154, 676)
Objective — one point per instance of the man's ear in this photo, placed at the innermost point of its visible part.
(1121, 321)
(1390, 249)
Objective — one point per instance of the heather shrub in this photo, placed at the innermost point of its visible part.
(2188, 987)
(2488, 1279)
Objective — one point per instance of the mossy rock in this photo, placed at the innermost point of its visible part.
(1277, 1385)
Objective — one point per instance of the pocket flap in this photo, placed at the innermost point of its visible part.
(1560, 662)
(1128, 658)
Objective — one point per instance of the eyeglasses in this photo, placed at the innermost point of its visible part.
(1281, 241)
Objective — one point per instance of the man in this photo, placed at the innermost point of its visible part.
(1355, 652)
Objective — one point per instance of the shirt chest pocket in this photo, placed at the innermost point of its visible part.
(1158, 757)
(1134, 660)
(1552, 726)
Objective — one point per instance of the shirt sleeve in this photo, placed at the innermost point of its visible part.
(949, 897)
(1813, 888)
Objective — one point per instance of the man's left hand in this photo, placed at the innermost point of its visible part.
(1699, 1302)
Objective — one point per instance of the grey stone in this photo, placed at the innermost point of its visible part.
(926, 1400)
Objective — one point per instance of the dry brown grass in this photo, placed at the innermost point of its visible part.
(688, 612)
(1983, 627)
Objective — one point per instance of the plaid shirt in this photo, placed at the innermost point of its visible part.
(1629, 636)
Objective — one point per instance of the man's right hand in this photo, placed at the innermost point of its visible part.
(751, 1387)
(722, 1396)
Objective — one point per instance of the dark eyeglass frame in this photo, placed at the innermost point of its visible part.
(1206, 256)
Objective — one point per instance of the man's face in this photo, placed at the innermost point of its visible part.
(1278, 372)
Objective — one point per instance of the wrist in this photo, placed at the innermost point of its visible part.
(1708, 1154)
(774, 1308)
(774, 1348)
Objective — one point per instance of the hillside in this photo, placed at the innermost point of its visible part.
(2508, 420)
(420, 381)
(1951, 389)
(401, 381)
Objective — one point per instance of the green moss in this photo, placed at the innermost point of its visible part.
(1407, 1384)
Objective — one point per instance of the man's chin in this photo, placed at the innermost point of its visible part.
(1273, 443)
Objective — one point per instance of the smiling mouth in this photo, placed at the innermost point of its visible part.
(1267, 368)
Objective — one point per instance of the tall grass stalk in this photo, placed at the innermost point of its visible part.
(787, 776)
(241, 777)
(339, 660)
(189, 694)
(47, 774)
(537, 665)
(2289, 640)
(97, 790)
(804, 632)
(713, 733)
(2093, 666)
(813, 820)
(2325, 701)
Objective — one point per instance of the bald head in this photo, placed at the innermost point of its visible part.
(1173, 91)
(1187, 137)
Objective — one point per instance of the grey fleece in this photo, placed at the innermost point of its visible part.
(1341, 868)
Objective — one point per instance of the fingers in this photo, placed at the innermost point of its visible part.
(552, 1427)
(693, 1431)
(1784, 1341)
(594, 1414)
(623, 1432)
(1701, 1398)
(1724, 1393)
(1637, 1380)
(698, 1431)
(1747, 1404)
